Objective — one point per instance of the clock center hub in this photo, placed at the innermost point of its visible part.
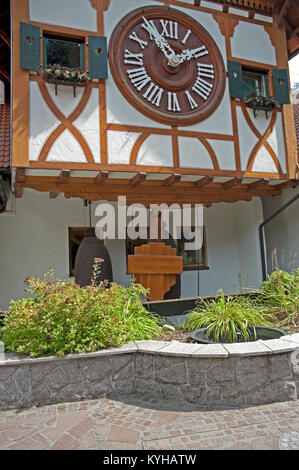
(174, 61)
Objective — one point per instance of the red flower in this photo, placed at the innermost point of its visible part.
(27, 280)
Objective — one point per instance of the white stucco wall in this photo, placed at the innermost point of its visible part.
(36, 238)
(77, 14)
(281, 234)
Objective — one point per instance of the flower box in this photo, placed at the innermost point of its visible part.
(74, 83)
(261, 103)
(63, 76)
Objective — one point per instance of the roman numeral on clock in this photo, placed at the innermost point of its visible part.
(205, 70)
(154, 94)
(150, 27)
(135, 38)
(139, 78)
(201, 86)
(189, 32)
(173, 102)
(133, 59)
(192, 102)
(170, 29)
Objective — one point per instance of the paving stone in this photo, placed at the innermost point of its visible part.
(65, 442)
(120, 434)
(265, 443)
(81, 428)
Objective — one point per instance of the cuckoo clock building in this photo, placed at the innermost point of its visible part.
(160, 101)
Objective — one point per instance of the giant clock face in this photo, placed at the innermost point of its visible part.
(167, 65)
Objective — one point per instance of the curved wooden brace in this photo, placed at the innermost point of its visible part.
(66, 123)
(211, 152)
(262, 140)
(135, 150)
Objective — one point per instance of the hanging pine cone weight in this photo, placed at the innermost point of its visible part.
(89, 249)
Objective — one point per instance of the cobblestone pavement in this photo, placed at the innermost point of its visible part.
(129, 424)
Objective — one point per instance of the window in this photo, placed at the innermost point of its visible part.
(76, 235)
(192, 259)
(65, 52)
(254, 83)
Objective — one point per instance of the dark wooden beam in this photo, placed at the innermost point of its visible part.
(19, 192)
(20, 175)
(101, 177)
(207, 206)
(171, 180)
(259, 183)
(5, 73)
(4, 37)
(137, 179)
(53, 194)
(204, 181)
(231, 183)
(64, 176)
(283, 12)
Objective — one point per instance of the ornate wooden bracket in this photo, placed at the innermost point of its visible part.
(155, 266)
(104, 4)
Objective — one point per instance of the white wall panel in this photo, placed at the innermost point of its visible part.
(66, 149)
(252, 42)
(77, 14)
(193, 154)
(276, 140)
(225, 153)
(247, 139)
(88, 123)
(65, 100)
(120, 146)
(42, 121)
(156, 150)
(264, 162)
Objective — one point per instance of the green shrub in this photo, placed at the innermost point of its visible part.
(280, 297)
(225, 317)
(63, 318)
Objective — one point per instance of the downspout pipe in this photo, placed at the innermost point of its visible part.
(262, 234)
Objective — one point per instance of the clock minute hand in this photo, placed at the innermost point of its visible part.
(159, 40)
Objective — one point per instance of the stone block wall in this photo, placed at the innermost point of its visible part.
(252, 374)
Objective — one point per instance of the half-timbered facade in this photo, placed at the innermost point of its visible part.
(166, 117)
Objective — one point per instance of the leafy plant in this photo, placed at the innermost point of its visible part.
(63, 73)
(226, 318)
(262, 101)
(63, 318)
(280, 296)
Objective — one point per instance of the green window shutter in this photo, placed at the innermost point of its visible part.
(281, 86)
(82, 57)
(45, 53)
(30, 47)
(97, 53)
(235, 79)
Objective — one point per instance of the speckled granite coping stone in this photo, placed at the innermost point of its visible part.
(251, 373)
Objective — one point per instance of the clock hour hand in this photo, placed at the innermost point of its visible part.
(159, 40)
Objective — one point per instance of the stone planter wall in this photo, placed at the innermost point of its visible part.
(221, 375)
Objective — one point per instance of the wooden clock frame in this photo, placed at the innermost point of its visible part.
(118, 69)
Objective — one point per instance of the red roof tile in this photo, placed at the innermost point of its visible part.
(4, 135)
(296, 113)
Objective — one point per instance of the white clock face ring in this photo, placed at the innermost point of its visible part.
(167, 66)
